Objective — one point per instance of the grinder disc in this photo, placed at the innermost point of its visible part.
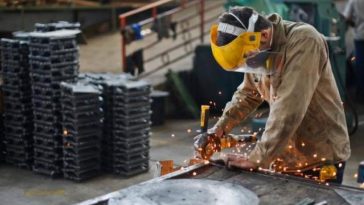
(186, 192)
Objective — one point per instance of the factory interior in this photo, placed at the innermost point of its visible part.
(104, 102)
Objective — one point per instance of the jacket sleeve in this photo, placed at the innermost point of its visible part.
(305, 59)
(244, 101)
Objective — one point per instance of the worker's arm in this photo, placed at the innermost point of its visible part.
(244, 101)
(305, 60)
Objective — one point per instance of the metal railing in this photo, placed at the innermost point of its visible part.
(188, 39)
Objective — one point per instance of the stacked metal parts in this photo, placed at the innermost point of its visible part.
(127, 107)
(40, 27)
(53, 58)
(18, 123)
(82, 130)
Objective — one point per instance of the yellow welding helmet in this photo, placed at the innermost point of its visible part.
(233, 54)
(243, 54)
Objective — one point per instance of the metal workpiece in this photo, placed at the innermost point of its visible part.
(270, 188)
(186, 192)
(53, 58)
(81, 124)
(126, 125)
(41, 27)
(18, 116)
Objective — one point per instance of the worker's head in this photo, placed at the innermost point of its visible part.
(240, 37)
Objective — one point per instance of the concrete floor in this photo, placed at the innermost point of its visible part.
(19, 186)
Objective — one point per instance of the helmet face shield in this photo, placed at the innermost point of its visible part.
(234, 54)
(242, 54)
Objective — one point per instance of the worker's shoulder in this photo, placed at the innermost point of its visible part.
(299, 31)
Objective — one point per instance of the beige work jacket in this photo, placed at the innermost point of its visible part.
(306, 123)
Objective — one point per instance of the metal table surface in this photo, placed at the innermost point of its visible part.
(270, 188)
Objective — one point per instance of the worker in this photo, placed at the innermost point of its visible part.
(286, 64)
(355, 17)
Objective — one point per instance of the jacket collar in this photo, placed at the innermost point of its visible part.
(279, 32)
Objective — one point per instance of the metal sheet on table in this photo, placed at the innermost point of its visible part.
(186, 191)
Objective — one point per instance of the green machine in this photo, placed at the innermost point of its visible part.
(324, 16)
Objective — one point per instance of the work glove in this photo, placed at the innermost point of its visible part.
(201, 141)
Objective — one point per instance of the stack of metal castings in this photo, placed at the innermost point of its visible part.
(18, 116)
(40, 27)
(53, 59)
(101, 80)
(126, 127)
(82, 130)
(130, 126)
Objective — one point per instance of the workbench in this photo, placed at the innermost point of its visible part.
(271, 188)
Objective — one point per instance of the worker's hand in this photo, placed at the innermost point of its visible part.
(238, 161)
(201, 140)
